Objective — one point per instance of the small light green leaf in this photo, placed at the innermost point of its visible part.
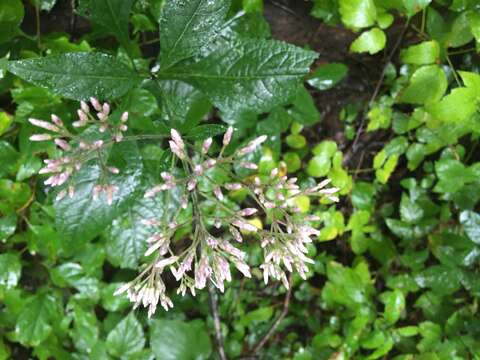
(178, 340)
(471, 80)
(358, 13)
(414, 6)
(427, 52)
(474, 21)
(5, 121)
(380, 117)
(187, 26)
(247, 75)
(460, 32)
(127, 338)
(394, 305)
(371, 41)
(457, 106)
(296, 141)
(78, 75)
(471, 224)
(10, 270)
(427, 85)
(327, 76)
(35, 322)
(319, 165)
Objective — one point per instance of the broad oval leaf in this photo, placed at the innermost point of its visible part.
(78, 75)
(254, 75)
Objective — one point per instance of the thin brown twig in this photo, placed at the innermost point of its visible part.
(276, 323)
(216, 322)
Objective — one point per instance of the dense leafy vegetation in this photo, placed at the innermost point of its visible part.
(396, 257)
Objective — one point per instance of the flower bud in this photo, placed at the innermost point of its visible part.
(228, 136)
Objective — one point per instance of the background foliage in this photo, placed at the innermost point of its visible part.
(389, 112)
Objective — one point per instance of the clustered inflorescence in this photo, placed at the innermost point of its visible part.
(210, 251)
(73, 157)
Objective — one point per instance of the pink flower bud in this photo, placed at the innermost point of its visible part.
(228, 136)
(106, 108)
(247, 212)
(177, 139)
(62, 144)
(82, 116)
(218, 193)
(96, 104)
(84, 106)
(233, 186)
(249, 165)
(40, 137)
(176, 150)
(56, 120)
(198, 170)
(191, 185)
(44, 125)
(206, 145)
(124, 117)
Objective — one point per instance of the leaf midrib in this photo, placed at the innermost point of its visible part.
(83, 75)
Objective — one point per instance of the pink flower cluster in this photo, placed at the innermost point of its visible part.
(73, 154)
(211, 252)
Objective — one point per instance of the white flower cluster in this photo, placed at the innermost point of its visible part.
(209, 257)
(73, 156)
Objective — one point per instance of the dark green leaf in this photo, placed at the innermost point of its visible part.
(80, 219)
(178, 340)
(441, 279)
(187, 26)
(126, 238)
(127, 338)
(34, 323)
(202, 132)
(327, 76)
(254, 75)
(78, 75)
(11, 16)
(111, 16)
